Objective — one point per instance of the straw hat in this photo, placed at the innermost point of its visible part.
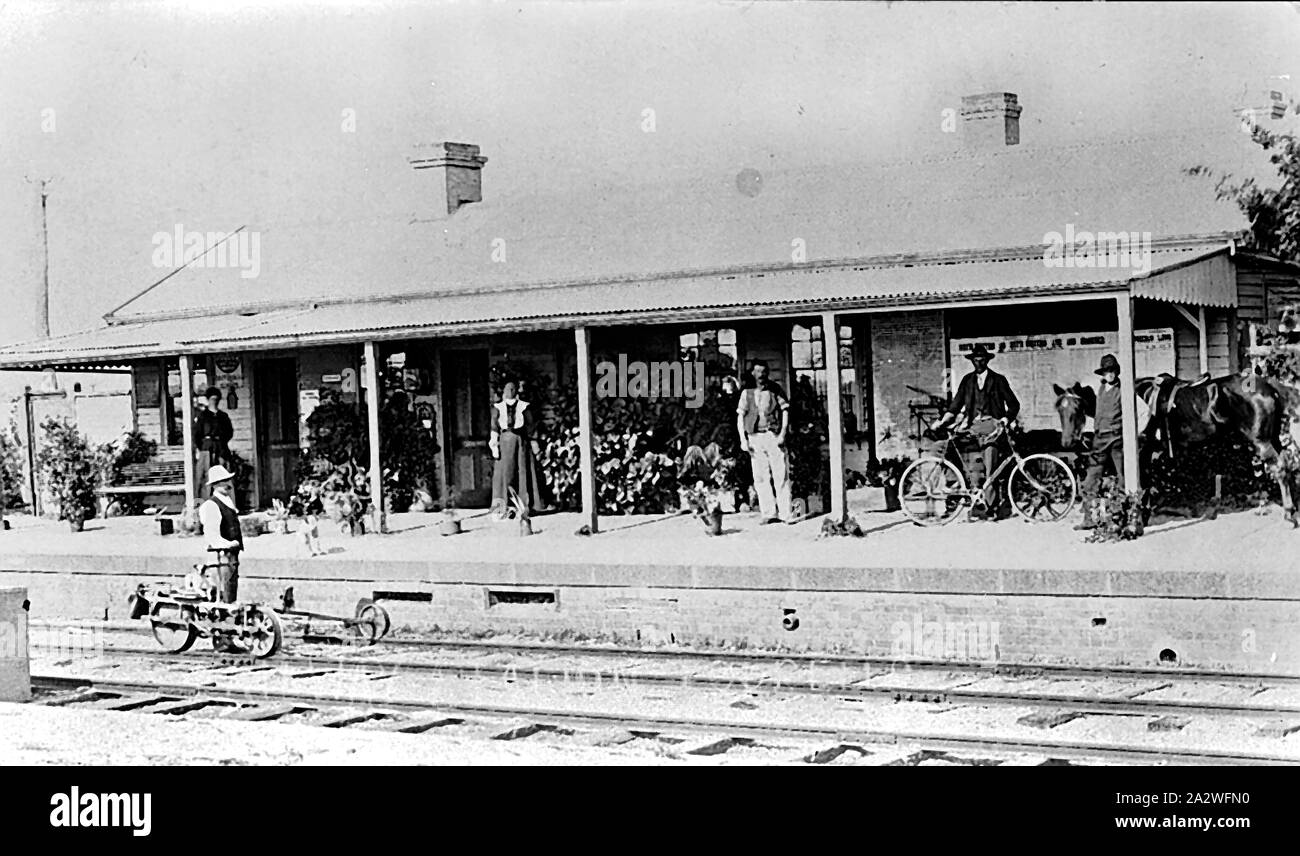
(219, 474)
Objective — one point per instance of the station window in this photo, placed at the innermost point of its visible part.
(808, 360)
(717, 348)
(174, 404)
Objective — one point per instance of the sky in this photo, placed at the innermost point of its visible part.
(145, 115)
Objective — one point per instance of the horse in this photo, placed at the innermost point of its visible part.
(1075, 406)
(1248, 406)
(1175, 414)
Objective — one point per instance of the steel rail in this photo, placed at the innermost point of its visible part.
(1090, 704)
(655, 725)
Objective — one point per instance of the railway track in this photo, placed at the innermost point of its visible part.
(819, 744)
(1129, 701)
(744, 674)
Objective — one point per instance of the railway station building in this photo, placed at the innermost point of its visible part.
(861, 284)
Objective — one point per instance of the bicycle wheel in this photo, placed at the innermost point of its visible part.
(1042, 488)
(932, 492)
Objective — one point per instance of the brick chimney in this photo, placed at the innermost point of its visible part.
(991, 120)
(457, 172)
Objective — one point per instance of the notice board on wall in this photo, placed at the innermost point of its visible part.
(1032, 364)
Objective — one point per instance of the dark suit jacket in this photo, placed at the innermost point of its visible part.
(999, 400)
(213, 432)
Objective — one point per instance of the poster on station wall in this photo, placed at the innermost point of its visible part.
(230, 379)
(308, 401)
(1032, 364)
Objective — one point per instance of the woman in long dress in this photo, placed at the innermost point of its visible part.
(515, 452)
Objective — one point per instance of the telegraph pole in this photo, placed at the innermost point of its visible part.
(43, 305)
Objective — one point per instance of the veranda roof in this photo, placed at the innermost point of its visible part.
(1186, 272)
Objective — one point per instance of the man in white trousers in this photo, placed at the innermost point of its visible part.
(763, 418)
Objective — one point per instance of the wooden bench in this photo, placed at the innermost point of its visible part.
(151, 477)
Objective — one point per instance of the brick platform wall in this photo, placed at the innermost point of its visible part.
(1208, 620)
(1251, 635)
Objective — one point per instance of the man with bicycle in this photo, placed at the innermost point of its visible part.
(986, 407)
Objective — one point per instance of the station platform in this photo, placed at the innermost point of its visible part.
(1210, 594)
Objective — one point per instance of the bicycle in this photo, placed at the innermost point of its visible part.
(932, 490)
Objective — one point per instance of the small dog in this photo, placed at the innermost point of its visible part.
(309, 529)
(309, 532)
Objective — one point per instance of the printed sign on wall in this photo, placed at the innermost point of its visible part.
(230, 378)
(308, 399)
(1032, 364)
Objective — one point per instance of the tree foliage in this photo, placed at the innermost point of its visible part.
(69, 468)
(1273, 212)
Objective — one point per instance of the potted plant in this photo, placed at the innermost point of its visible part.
(70, 471)
(702, 503)
(278, 517)
(449, 525)
(1118, 514)
(710, 467)
(521, 513)
(876, 489)
(423, 499)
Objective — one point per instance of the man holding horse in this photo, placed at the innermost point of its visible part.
(1107, 438)
(985, 404)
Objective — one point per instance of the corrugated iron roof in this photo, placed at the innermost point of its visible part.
(690, 221)
(1208, 282)
(747, 292)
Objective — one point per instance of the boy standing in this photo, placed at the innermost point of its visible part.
(1107, 438)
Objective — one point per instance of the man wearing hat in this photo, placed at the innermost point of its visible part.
(985, 404)
(220, 520)
(1107, 438)
(212, 433)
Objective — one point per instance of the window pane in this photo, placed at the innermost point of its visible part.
(801, 355)
(846, 356)
(727, 357)
(819, 353)
(690, 339)
(846, 332)
(817, 331)
(726, 336)
(848, 381)
(799, 333)
(708, 337)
